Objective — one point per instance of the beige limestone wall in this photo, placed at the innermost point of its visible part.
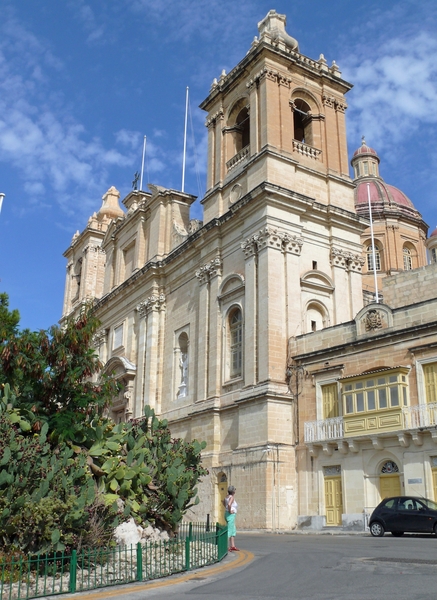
(410, 287)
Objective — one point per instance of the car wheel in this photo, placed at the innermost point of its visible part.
(376, 529)
(435, 528)
(397, 533)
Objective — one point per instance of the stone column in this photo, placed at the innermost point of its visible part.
(293, 296)
(271, 306)
(205, 275)
(286, 117)
(355, 267)
(149, 352)
(346, 274)
(215, 337)
(249, 247)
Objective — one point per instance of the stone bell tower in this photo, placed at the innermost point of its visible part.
(278, 116)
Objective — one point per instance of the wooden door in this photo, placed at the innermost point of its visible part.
(222, 493)
(333, 501)
(389, 485)
(330, 401)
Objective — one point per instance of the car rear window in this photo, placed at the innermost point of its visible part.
(390, 504)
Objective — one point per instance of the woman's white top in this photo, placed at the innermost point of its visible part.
(234, 505)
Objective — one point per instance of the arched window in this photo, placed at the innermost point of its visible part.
(235, 343)
(302, 122)
(242, 130)
(315, 317)
(408, 260)
(369, 253)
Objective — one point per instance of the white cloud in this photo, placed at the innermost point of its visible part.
(48, 148)
(395, 85)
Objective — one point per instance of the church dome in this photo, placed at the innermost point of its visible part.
(384, 198)
(365, 149)
(434, 233)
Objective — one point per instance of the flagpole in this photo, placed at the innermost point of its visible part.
(142, 163)
(373, 244)
(185, 141)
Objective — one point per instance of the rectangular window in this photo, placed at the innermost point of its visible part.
(128, 255)
(330, 401)
(118, 337)
(366, 395)
(430, 378)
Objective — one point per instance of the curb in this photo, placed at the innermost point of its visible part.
(241, 559)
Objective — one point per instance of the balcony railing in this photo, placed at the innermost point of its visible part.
(306, 150)
(413, 417)
(238, 158)
(423, 415)
(327, 429)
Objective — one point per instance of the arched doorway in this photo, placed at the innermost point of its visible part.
(222, 485)
(389, 480)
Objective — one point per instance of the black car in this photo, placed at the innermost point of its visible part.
(404, 513)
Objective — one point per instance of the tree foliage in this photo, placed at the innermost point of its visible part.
(67, 472)
(53, 374)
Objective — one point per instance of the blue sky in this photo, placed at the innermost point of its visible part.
(82, 81)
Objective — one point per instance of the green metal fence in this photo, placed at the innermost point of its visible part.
(196, 545)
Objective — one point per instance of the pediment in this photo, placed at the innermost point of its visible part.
(119, 366)
(318, 280)
(373, 318)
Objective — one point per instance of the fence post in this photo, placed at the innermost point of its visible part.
(207, 522)
(73, 572)
(187, 553)
(190, 531)
(139, 562)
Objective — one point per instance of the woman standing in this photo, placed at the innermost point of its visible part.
(231, 507)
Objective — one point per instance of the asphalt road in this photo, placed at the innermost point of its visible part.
(305, 567)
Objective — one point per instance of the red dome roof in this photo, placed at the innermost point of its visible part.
(364, 149)
(434, 233)
(380, 193)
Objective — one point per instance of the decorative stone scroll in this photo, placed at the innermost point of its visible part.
(154, 302)
(346, 260)
(270, 237)
(210, 270)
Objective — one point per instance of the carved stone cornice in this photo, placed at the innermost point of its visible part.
(211, 269)
(270, 237)
(217, 116)
(99, 338)
(346, 260)
(356, 263)
(333, 102)
(292, 243)
(328, 100)
(340, 106)
(272, 74)
(93, 248)
(156, 302)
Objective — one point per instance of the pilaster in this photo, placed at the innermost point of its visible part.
(207, 274)
(151, 312)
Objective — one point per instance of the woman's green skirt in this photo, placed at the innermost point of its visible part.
(230, 520)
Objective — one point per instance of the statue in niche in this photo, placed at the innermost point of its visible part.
(373, 320)
(183, 366)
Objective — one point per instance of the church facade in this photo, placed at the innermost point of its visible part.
(220, 325)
